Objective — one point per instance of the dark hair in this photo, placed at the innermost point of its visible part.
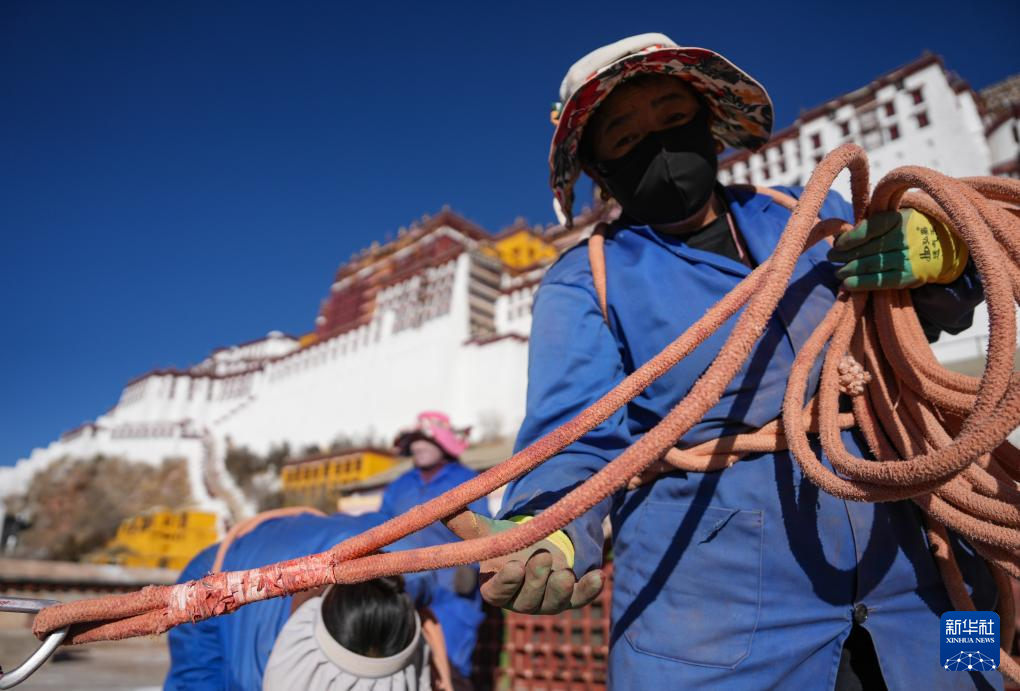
(374, 618)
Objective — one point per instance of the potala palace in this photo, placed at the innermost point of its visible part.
(439, 318)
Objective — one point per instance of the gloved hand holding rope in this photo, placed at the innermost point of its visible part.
(938, 437)
(899, 249)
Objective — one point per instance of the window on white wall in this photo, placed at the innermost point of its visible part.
(872, 140)
(869, 119)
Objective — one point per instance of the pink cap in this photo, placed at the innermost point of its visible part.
(435, 427)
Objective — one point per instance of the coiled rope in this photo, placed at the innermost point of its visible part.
(938, 437)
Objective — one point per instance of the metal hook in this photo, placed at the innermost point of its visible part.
(23, 671)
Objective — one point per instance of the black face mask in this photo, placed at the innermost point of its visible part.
(668, 176)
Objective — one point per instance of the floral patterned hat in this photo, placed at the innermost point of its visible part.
(741, 107)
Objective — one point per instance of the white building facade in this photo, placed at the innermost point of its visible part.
(919, 114)
(1003, 134)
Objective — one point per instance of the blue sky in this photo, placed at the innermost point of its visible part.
(178, 176)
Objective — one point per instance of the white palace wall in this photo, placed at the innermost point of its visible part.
(366, 384)
(140, 443)
(920, 118)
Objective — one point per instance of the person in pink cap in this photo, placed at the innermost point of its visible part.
(435, 447)
(432, 443)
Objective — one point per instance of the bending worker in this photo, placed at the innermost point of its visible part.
(376, 635)
(749, 577)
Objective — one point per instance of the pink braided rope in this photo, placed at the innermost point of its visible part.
(938, 436)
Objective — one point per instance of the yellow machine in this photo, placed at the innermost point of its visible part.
(318, 481)
(160, 538)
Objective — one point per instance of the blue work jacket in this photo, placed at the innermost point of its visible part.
(231, 651)
(459, 615)
(748, 578)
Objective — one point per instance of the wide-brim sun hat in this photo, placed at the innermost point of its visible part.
(305, 656)
(434, 427)
(740, 106)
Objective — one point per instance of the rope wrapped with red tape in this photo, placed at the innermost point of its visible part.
(938, 437)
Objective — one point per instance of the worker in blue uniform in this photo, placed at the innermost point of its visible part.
(435, 446)
(232, 651)
(749, 577)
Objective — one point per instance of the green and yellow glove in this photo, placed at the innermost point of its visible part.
(536, 580)
(898, 249)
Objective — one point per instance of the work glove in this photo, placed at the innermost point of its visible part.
(536, 580)
(898, 249)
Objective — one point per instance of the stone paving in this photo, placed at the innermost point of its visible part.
(137, 664)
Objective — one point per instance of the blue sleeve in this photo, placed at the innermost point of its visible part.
(939, 307)
(388, 507)
(196, 653)
(573, 360)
